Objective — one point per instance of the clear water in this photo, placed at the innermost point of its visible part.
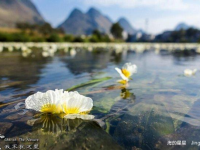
(159, 105)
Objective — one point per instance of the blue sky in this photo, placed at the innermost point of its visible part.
(161, 14)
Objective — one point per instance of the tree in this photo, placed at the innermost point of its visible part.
(54, 38)
(116, 31)
(68, 38)
(97, 34)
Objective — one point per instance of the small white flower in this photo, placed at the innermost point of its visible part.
(189, 72)
(77, 106)
(1, 49)
(90, 49)
(72, 52)
(10, 49)
(49, 102)
(26, 52)
(45, 54)
(23, 48)
(66, 50)
(127, 71)
(49, 52)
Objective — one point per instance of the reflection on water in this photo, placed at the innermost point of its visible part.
(52, 132)
(85, 61)
(159, 105)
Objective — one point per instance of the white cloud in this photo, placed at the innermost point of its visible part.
(159, 4)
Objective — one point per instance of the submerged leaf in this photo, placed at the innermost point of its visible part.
(94, 81)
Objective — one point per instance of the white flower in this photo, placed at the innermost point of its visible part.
(189, 72)
(66, 50)
(90, 49)
(72, 52)
(45, 54)
(71, 104)
(1, 49)
(26, 52)
(127, 71)
(10, 49)
(49, 52)
(77, 106)
(23, 48)
(49, 102)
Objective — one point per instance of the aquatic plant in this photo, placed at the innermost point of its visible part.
(68, 104)
(189, 72)
(126, 72)
(49, 102)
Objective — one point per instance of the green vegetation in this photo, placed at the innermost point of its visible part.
(16, 37)
(25, 32)
(98, 37)
(46, 33)
(116, 31)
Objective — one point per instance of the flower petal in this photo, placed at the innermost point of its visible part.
(189, 72)
(77, 103)
(84, 117)
(40, 100)
(132, 68)
(121, 74)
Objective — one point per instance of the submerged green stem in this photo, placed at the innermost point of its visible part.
(94, 81)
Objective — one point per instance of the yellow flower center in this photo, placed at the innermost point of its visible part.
(126, 73)
(51, 108)
(74, 110)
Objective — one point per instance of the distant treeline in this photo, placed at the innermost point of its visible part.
(46, 33)
(181, 36)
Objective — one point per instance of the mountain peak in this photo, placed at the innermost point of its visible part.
(182, 25)
(126, 25)
(75, 12)
(123, 20)
(79, 23)
(15, 11)
(93, 12)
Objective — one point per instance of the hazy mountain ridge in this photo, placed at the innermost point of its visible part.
(14, 11)
(126, 26)
(79, 23)
(183, 26)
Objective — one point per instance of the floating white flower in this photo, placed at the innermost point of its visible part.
(49, 102)
(45, 54)
(77, 106)
(10, 49)
(26, 52)
(66, 50)
(72, 52)
(127, 71)
(1, 49)
(70, 104)
(189, 72)
(49, 52)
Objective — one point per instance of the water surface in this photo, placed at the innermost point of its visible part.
(159, 105)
